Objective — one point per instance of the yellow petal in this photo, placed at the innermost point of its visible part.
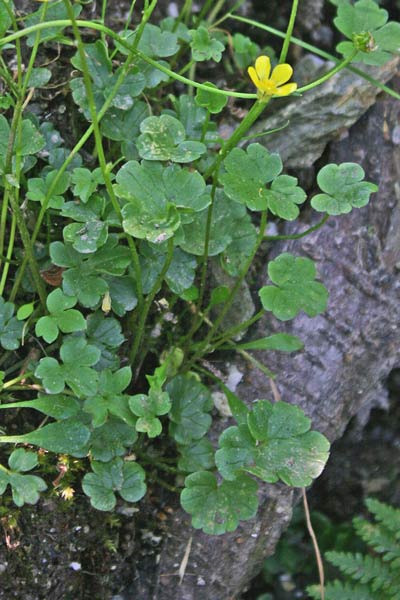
(253, 76)
(282, 74)
(263, 67)
(268, 87)
(287, 89)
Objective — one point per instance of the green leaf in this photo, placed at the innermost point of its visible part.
(98, 63)
(227, 221)
(343, 189)
(109, 399)
(198, 456)
(62, 317)
(31, 140)
(64, 437)
(147, 408)
(164, 138)
(245, 50)
(159, 186)
(59, 407)
(25, 311)
(248, 172)
(51, 11)
(194, 119)
(181, 272)
(275, 444)
(10, 327)
(284, 196)
(153, 42)
(91, 230)
(215, 508)
(77, 357)
(5, 19)
(84, 275)
(143, 223)
(205, 47)
(39, 77)
(22, 460)
(122, 125)
(110, 440)
(105, 333)
(191, 404)
(38, 189)
(86, 238)
(278, 341)
(155, 194)
(214, 103)
(85, 182)
(26, 488)
(115, 476)
(364, 15)
(295, 288)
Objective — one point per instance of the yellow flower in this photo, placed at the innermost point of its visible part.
(271, 84)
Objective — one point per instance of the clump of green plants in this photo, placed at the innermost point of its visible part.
(108, 310)
(373, 575)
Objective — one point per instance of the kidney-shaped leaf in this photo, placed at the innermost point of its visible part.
(218, 508)
(343, 189)
(275, 444)
(164, 138)
(126, 478)
(294, 289)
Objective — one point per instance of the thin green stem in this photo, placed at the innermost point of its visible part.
(327, 75)
(148, 302)
(216, 8)
(11, 382)
(8, 260)
(289, 31)
(206, 7)
(227, 335)
(254, 361)
(184, 14)
(205, 344)
(253, 114)
(11, 190)
(146, 459)
(26, 241)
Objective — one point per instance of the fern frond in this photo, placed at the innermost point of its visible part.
(336, 590)
(365, 569)
(379, 538)
(385, 514)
